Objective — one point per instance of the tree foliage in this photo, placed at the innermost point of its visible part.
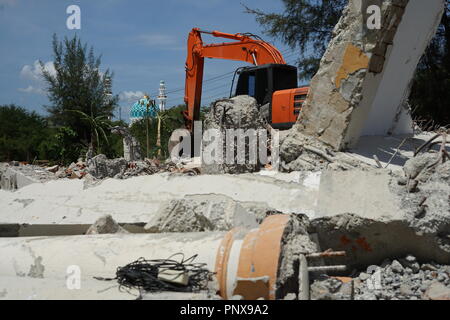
(78, 85)
(21, 133)
(307, 26)
(304, 25)
(430, 94)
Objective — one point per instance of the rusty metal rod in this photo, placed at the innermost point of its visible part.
(326, 254)
(327, 268)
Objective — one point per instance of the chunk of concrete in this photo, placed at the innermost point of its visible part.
(200, 213)
(101, 167)
(365, 74)
(105, 224)
(11, 179)
(237, 120)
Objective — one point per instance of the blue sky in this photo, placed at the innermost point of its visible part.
(142, 42)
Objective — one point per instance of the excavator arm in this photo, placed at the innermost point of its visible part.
(245, 48)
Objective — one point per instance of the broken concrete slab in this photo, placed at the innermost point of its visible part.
(196, 213)
(136, 199)
(364, 75)
(16, 177)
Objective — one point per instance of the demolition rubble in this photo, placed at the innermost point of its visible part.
(358, 206)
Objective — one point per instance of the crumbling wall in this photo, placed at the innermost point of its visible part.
(365, 74)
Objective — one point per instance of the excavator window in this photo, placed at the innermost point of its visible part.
(262, 81)
(251, 85)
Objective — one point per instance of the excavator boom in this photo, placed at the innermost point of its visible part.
(245, 48)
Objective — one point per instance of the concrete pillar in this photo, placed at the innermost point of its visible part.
(365, 74)
(237, 257)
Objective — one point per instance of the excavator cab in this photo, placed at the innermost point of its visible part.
(274, 86)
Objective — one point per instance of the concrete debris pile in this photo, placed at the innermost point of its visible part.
(241, 114)
(425, 195)
(402, 279)
(76, 170)
(299, 152)
(93, 171)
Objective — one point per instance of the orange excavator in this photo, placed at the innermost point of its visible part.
(270, 81)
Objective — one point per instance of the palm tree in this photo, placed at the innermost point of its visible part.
(98, 125)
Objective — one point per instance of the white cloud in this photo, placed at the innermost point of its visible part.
(130, 96)
(31, 89)
(34, 72)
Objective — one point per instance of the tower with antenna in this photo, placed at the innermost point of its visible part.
(162, 97)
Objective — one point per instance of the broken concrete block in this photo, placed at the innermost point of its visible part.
(12, 179)
(364, 75)
(105, 224)
(200, 213)
(178, 216)
(101, 167)
(238, 113)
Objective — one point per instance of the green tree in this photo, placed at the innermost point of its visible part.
(21, 132)
(304, 25)
(430, 94)
(61, 145)
(98, 125)
(307, 25)
(78, 84)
